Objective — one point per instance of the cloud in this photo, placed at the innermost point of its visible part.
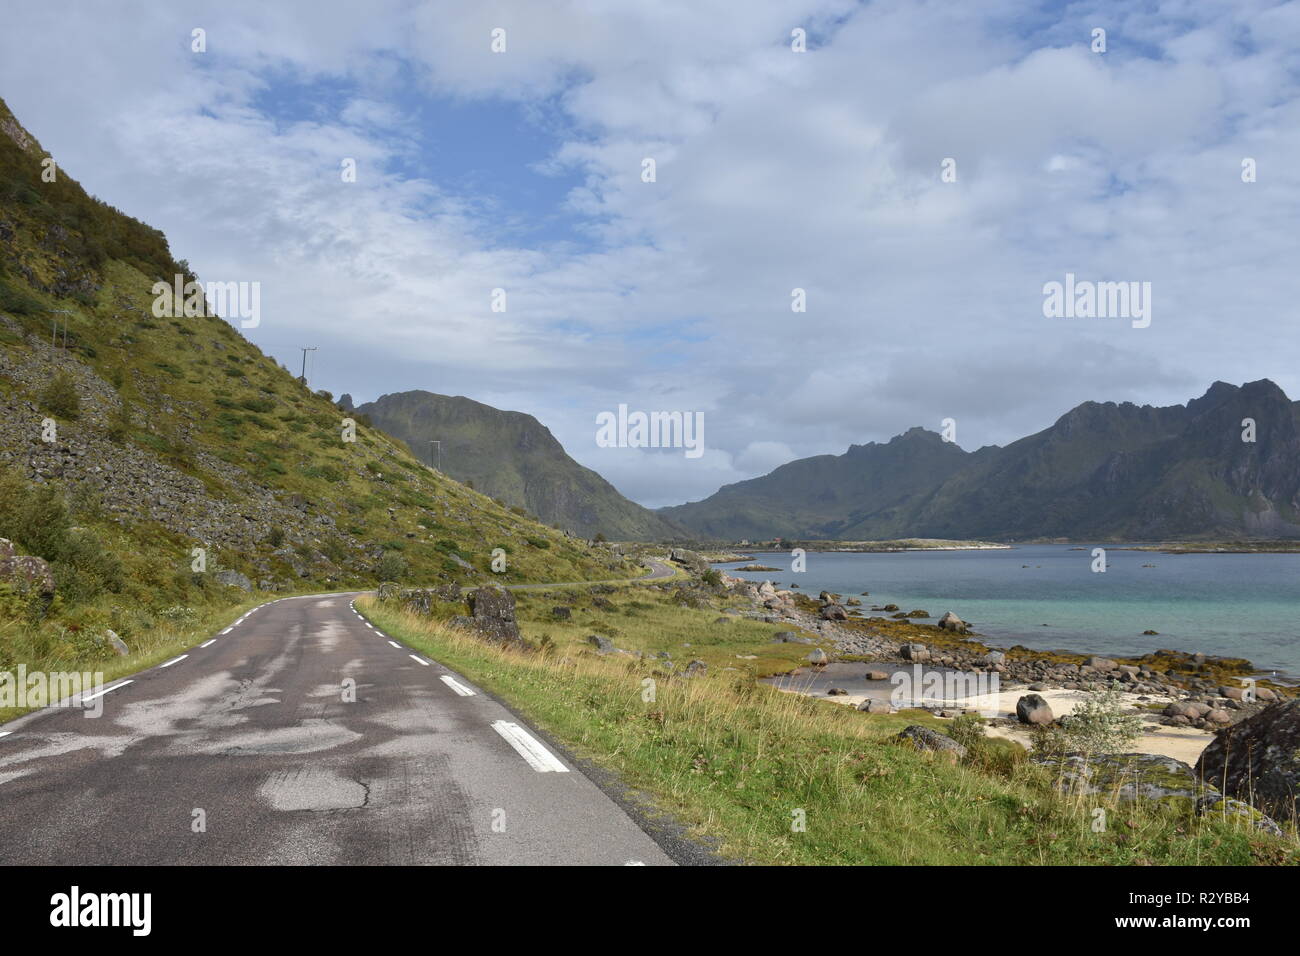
(775, 171)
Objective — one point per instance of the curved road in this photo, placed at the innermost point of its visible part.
(245, 750)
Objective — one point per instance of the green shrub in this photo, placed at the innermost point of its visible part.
(391, 567)
(335, 550)
(119, 422)
(967, 730)
(37, 519)
(60, 397)
(17, 302)
(327, 472)
(1099, 726)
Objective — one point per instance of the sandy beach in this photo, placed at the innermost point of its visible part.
(1181, 743)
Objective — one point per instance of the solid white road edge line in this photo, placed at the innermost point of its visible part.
(456, 685)
(538, 757)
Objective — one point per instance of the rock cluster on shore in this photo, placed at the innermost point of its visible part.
(1198, 701)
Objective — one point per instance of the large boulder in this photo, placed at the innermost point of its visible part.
(925, 739)
(1258, 759)
(233, 579)
(688, 559)
(1128, 777)
(449, 593)
(1213, 804)
(951, 622)
(457, 560)
(603, 645)
(833, 612)
(493, 612)
(116, 643)
(417, 600)
(1033, 709)
(790, 637)
(27, 574)
(914, 652)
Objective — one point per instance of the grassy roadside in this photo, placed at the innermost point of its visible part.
(152, 638)
(740, 763)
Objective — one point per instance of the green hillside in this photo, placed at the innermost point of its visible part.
(175, 434)
(514, 457)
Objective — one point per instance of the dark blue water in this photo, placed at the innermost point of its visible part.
(1238, 605)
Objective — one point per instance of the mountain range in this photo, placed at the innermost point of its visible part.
(1102, 471)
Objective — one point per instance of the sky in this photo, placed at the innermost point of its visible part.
(774, 170)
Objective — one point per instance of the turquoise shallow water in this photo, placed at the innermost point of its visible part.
(1238, 605)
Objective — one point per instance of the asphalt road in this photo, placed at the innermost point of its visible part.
(250, 734)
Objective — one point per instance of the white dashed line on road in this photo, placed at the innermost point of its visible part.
(5, 733)
(456, 685)
(396, 645)
(101, 693)
(420, 659)
(174, 660)
(538, 757)
(206, 643)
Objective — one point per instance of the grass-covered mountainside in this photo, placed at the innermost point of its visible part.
(514, 457)
(1103, 471)
(141, 439)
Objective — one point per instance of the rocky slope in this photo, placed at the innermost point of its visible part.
(515, 458)
(1103, 471)
(156, 436)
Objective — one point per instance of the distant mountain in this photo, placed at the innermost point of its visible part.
(515, 458)
(825, 496)
(1103, 471)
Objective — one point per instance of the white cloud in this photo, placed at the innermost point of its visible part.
(775, 170)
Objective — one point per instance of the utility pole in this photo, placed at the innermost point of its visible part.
(306, 349)
(54, 327)
(434, 441)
